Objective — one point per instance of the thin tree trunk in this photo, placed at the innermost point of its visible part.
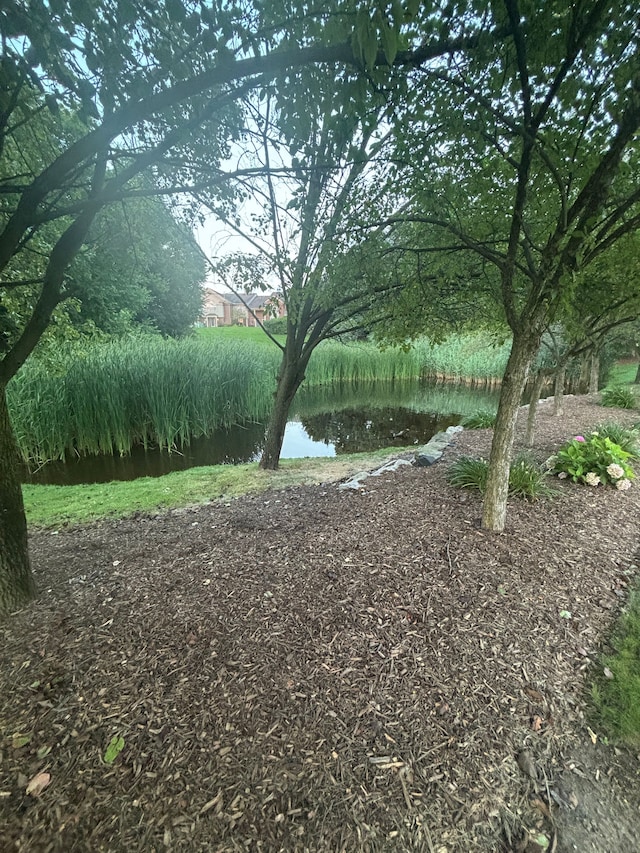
(558, 388)
(585, 375)
(16, 581)
(533, 407)
(594, 372)
(290, 377)
(494, 511)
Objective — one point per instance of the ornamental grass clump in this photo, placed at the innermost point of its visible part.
(481, 419)
(619, 397)
(526, 478)
(594, 460)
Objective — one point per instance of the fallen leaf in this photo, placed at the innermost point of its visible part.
(542, 807)
(534, 695)
(592, 735)
(525, 763)
(542, 841)
(607, 672)
(536, 723)
(18, 740)
(37, 785)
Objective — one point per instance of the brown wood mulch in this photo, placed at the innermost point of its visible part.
(313, 669)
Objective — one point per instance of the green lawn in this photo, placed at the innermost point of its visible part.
(254, 334)
(622, 374)
(616, 692)
(51, 506)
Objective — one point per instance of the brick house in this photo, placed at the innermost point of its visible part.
(231, 309)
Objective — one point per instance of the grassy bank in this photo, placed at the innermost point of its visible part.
(51, 506)
(616, 692)
(622, 373)
(150, 391)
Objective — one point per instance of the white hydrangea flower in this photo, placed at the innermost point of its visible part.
(562, 475)
(615, 471)
(592, 479)
(623, 485)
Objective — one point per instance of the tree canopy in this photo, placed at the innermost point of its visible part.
(523, 152)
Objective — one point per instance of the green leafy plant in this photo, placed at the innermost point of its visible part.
(481, 419)
(115, 747)
(620, 397)
(593, 460)
(526, 478)
(469, 473)
(627, 439)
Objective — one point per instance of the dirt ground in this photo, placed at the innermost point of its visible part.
(324, 670)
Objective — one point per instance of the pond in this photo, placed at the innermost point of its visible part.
(324, 422)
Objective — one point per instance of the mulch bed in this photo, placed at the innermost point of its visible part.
(313, 669)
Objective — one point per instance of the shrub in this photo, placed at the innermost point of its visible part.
(593, 460)
(469, 473)
(482, 419)
(526, 478)
(276, 326)
(619, 397)
(626, 438)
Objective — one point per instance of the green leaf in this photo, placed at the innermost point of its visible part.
(412, 8)
(389, 42)
(116, 745)
(18, 740)
(370, 47)
(176, 10)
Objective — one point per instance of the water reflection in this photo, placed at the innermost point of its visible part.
(325, 421)
(354, 431)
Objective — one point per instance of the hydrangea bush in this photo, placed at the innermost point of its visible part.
(593, 460)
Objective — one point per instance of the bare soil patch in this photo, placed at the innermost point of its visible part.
(324, 670)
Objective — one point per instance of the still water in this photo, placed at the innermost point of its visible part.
(324, 422)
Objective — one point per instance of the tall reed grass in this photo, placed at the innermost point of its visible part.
(138, 391)
(110, 396)
(472, 358)
(464, 358)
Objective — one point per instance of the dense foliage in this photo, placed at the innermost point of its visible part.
(593, 460)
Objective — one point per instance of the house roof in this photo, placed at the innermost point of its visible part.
(251, 300)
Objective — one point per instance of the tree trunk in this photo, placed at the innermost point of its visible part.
(594, 372)
(533, 407)
(494, 511)
(585, 367)
(16, 580)
(558, 389)
(290, 378)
